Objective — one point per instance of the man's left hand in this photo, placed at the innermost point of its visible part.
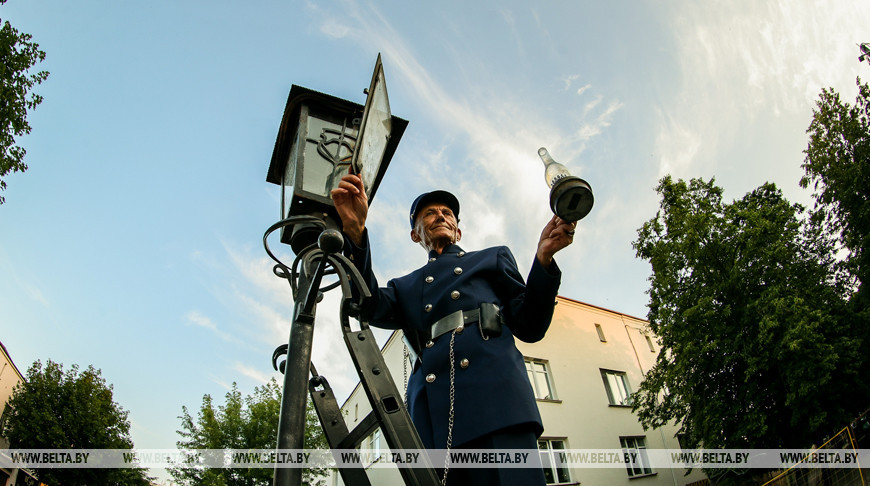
(557, 234)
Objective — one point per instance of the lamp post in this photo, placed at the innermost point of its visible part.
(321, 137)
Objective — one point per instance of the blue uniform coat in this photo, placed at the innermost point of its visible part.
(493, 391)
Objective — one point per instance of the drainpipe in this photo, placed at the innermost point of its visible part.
(640, 367)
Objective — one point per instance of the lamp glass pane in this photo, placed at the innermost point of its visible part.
(327, 154)
(289, 179)
(377, 127)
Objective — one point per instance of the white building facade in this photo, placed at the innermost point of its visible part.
(583, 373)
(10, 377)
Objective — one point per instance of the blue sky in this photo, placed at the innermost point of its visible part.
(133, 241)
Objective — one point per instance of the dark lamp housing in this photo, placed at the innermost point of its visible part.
(320, 138)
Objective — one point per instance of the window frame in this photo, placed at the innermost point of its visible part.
(533, 375)
(638, 445)
(649, 342)
(600, 331)
(372, 444)
(626, 387)
(548, 457)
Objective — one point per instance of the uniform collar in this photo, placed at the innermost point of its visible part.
(448, 249)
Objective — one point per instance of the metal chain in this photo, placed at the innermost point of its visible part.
(480, 328)
(450, 414)
(405, 356)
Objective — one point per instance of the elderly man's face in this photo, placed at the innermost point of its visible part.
(436, 225)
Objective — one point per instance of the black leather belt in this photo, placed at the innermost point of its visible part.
(487, 316)
(454, 321)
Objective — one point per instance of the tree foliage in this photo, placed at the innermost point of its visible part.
(758, 348)
(241, 423)
(53, 409)
(837, 165)
(18, 54)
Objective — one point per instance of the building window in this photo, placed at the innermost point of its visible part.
(638, 461)
(616, 384)
(539, 375)
(554, 470)
(374, 441)
(372, 444)
(649, 343)
(600, 333)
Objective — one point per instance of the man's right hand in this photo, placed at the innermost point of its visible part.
(352, 205)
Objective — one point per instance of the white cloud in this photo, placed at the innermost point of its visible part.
(511, 22)
(200, 320)
(334, 29)
(679, 145)
(219, 381)
(569, 80)
(592, 104)
(36, 294)
(746, 61)
(508, 17)
(253, 373)
(596, 126)
(10, 273)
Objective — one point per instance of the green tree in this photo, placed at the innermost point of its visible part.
(837, 164)
(757, 349)
(242, 423)
(53, 409)
(18, 53)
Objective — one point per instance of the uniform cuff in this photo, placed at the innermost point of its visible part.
(357, 253)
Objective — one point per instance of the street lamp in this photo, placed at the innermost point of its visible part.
(320, 138)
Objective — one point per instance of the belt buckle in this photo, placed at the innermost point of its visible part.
(448, 323)
(454, 320)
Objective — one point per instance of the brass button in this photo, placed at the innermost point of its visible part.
(454, 295)
(430, 377)
(457, 270)
(432, 259)
(430, 279)
(459, 329)
(428, 307)
(430, 343)
(464, 363)
(461, 253)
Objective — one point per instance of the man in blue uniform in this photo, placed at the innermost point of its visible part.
(460, 313)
